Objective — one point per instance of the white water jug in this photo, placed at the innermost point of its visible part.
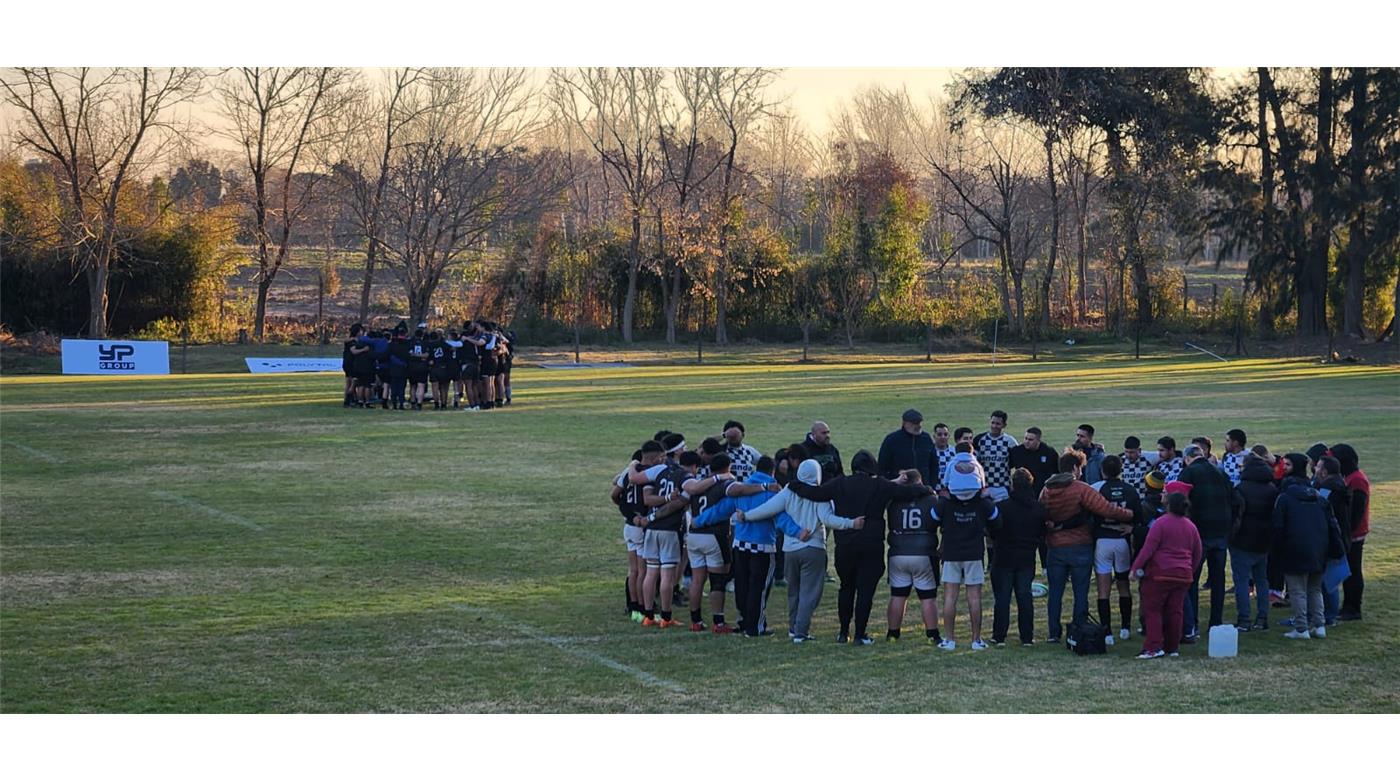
(1224, 642)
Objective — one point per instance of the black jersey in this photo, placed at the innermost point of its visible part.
(1120, 494)
(913, 526)
(631, 498)
(417, 356)
(707, 499)
(347, 360)
(668, 486)
(964, 526)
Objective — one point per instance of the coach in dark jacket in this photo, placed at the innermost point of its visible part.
(1305, 536)
(1249, 547)
(1035, 456)
(819, 448)
(860, 553)
(909, 448)
(1212, 510)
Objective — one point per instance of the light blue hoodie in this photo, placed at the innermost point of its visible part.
(759, 533)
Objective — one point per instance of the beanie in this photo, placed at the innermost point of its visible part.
(1155, 480)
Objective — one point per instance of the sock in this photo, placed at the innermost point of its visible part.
(893, 633)
(1105, 616)
(695, 616)
(1125, 607)
(718, 618)
(651, 613)
(665, 614)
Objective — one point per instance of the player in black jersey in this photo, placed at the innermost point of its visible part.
(457, 347)
(347, 362)
(442, 368)
(628, 497)
(913, 541)
(661, 547)
(399, 350)
(507, 363)
(709, 547)
(418, 366)
(1113, 555)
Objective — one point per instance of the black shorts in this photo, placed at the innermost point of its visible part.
(365, 379)
(488, 367)
(471, 372)
(347, 371)
(418, 375)
(442, 374)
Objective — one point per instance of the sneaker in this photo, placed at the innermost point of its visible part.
(947, 644)
(723, 628)
(1125, 634)
(1348, 616)
(843, 639)
(800, 638)
(1296, 635)
(864, 640)
(1332, 622)
(891, 639)
(998, 643)
(1319, 633)
(1054, 640)
(650, 622)
(1173, 654)
(1028, 643)
(978, 644)
(1261, 624)
(1191, 638)
(1243, 628)
(636, 616)
(1108, 640)
(696, 628)
(669, 623)
(1147, 656)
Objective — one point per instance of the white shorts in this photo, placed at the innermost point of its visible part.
(963, 573)
(704, 551)
(634, 537)
(1112, 556)
(661, 549)
(915, 570)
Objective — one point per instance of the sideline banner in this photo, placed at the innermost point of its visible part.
(97, 356)
(291, 365)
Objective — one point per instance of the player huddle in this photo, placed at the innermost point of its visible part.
(958, 510)
(393, 369)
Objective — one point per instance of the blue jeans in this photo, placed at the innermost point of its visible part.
(1215, 548)
(1331, 602)
(1246, 566)
(1074, 563)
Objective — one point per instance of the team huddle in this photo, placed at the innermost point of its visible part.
(475, 362)
(956, 509)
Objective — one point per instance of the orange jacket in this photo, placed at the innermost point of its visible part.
(1066, 499)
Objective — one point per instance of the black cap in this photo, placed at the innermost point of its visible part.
(913, 416)
(1316, 451)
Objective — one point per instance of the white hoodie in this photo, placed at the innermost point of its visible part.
(813, 516)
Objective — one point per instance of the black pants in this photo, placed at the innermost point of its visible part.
(753, 578)
(1353, 585)
(860, 567)
(1275, 574)
(779, 556)
(1007, 580)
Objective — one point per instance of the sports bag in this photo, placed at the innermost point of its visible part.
(1086, 638)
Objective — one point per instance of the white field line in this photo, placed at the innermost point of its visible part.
(569, 646)
(40, 454)
(217, 514)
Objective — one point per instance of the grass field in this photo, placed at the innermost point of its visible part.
(236, 543)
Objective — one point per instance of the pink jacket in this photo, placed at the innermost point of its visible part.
(1172, 550)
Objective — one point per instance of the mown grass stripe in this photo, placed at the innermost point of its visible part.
(217, 514)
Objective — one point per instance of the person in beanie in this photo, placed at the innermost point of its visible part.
(1327, 480)
(1069, 537)
(1360, 525)
(1303, 531)
(1018, 536)
(1153, 507)
(963, 519)
(1250, 543)
(908, 448)
(1165, 566)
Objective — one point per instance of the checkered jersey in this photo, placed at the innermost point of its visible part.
(1135, 472)
(994, 453)
(742, 460)
(1171, 469)
(1232, 464)
(945, 456)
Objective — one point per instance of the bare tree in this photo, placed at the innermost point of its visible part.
(1080, 159)
(280, 118)
(375, 131)
(615, 108)
(99, 128)
(463, 176)
(738, 98)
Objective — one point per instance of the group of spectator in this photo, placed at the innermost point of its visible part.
(954, 510)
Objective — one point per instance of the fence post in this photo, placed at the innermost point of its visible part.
(1185, 295)
(185, 349)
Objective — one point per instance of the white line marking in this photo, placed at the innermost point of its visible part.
(40, 454)
(217, 514)
(567, 645)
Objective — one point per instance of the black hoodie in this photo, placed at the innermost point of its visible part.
(860, 494)
(1260, 494)
(824, 454)
(1303, 529)
(1021, 531)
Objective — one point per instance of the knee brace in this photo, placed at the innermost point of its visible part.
(902, 591)
(718, 580)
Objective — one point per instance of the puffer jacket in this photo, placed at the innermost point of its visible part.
(1303, 529)
(1256, 522)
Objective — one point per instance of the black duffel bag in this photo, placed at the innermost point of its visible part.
(1086, 638)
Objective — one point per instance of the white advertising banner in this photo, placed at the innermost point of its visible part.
(291, 365)
(99, 356)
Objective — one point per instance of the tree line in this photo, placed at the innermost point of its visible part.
(669, 201)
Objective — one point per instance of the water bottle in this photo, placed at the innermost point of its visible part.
(1224, 642)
